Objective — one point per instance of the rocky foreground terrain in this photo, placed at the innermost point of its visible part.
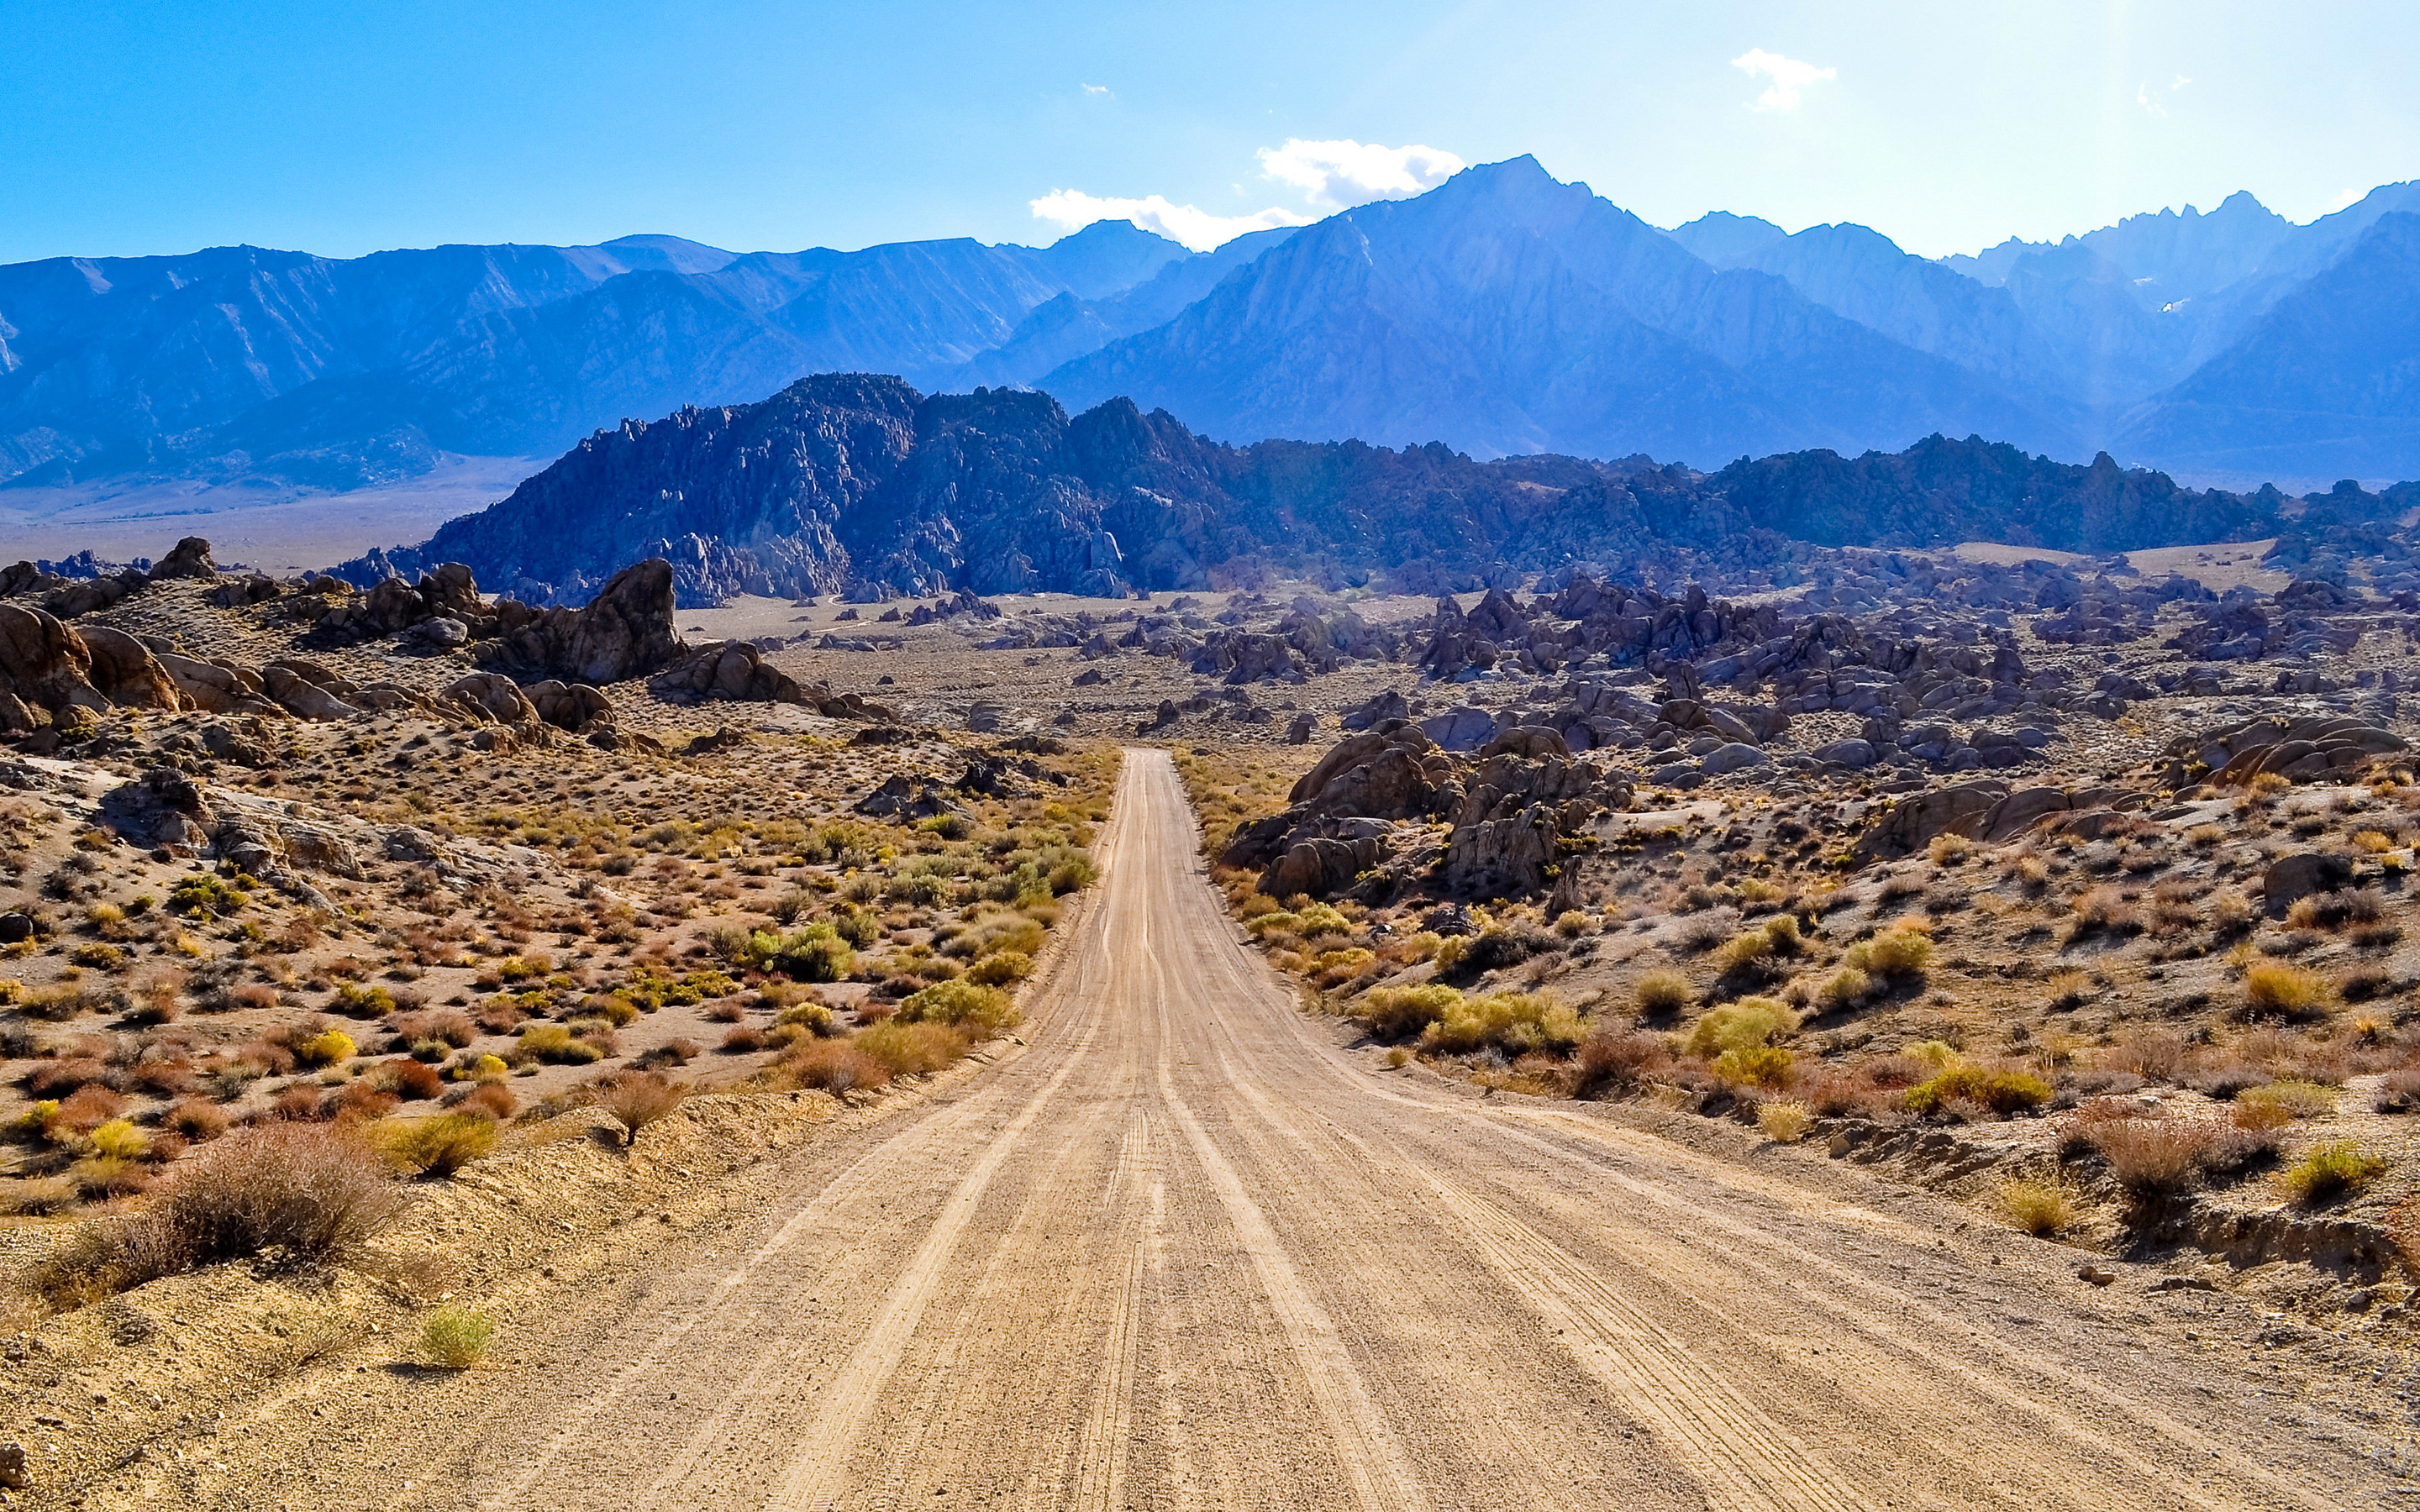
(2071, 890)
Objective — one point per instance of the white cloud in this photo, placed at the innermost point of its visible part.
(1333, 175)
(1788, 76)
(2143, 98)
(1197, 228)
(1329, 176)
(2181, 82)
(2347, 200)
(1097, 89)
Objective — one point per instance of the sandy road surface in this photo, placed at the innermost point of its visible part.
(1184, 1252)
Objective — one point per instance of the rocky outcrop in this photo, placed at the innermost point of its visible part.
(190, 557)
(732, 670)
(2300, 749)
(46, 671)
(1511, 814)
(1981, 810)
(125, 671)
(626, 631)
(573, 706)
(491, 696)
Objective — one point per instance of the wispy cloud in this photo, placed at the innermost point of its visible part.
(2151, 103)
(1096, 88)
(1197, 228)
(1333, 175)
(1785, 77)
(1327, 175)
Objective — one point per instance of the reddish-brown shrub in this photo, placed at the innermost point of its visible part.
(637, 1099)
(88, 1108)
(298, 1103)
(1612, 1061)
(305, 1192)
(359, 1100)
(410, 1080)
(57, 1078)
(198, 1118)
(832, 1066)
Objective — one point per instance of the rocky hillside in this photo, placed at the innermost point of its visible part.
(857, 484)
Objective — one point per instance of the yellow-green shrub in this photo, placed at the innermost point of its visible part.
(1749, 1023)
(1401, 1012)
(1902, 951)
(1514, 1023)
(1761, 1065)
(910, 1049)
(326, 1049)
(2002, 1090)
(962, 1005)
(2330, 1169)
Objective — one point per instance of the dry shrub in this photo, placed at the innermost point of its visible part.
(2274, 989)
(834, 1066)
(410, 1079)
(494, 1098)
(637, 1099)
(2003, 1089)
(977, 1011)
(303, 1192)
(1749, 1023)
(2399, 1091)
(911, 1049)
(2071, 989)
(2153, 1056)
(443, 1145)
(195, 1118)
(1661, 994)
(1514, 1022)
(1612, 1061)
(1784, 1123)
(1844, 989)
(1902, 951)
(88, 1108)
(2282, 1103)
(2040, 1206)
(2106, 910)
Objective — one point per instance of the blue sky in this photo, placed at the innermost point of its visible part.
(129, 128)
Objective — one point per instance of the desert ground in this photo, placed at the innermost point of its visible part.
(1275, 1047)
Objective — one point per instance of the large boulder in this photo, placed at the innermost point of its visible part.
(45, 669)
(218, 686)
(734, 670)
(1322, 866)
(125, 673)
(1910, 825)
(485, 696)
(2291, 878)
(191, 558)
(626, 631)
(573, 706)
(307, 690)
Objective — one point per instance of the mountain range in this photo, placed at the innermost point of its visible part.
(1503, 313)
(859, 484)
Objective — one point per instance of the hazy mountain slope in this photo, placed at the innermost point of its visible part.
(1863, 276)
(116, 364)
(2328, 380)
(1506, 312)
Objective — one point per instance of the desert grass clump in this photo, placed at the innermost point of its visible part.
(2329, 1170)
(1783, 1122)
(1749, 1023)
(2273, 989)
(1901, 951)
(2281, 1102)
(439, 1146)
(456, 1338)
(2003, 1089)
(1762, 1066)
(1662, 994)
(2040, 1206)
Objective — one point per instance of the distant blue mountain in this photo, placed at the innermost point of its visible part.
(1502, 313)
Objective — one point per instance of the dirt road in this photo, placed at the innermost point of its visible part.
(1185, 1251)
